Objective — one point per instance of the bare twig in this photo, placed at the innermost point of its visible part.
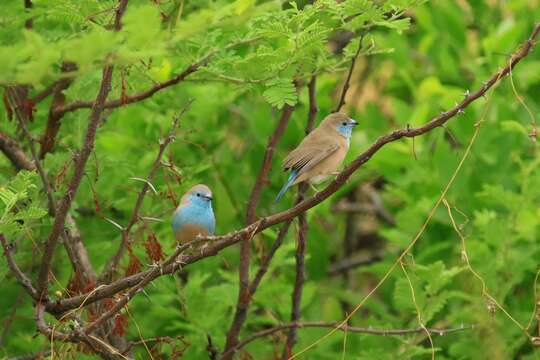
(350, 329)
(221, 242)
(80, 162)
(262, 178)
(347, 264)
(348, 79)
(152, 274)
(296, 300)
(244, 296)
(112, 264)
(53, 121)
(17, 272)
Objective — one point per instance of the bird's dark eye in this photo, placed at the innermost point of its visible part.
(344, 123)
(198, 194)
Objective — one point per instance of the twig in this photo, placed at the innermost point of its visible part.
(224, 241)
(262, 178)
(112, 264)
(347, 264)
(349, 329)
(296, 300)
(79, 164)
(348, 79)
(212, 351)
(152, 274)
(17, 272)
(53, 121)
(34, 356)
(244, 295)
(80, 104)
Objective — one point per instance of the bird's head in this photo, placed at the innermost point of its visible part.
(199, 195)
(341, 123)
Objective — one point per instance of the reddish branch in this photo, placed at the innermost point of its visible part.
(221, 242)
(349, 329)
(296, 300)
(53, 121)
(112, 264)
(79, 163)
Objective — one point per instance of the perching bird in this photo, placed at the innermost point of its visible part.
(194, 216)
(320, 153)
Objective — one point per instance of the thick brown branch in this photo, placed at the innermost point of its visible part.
(14, 153)
(221, 242)
(79, 163)
(17, 272)
(190, 69)
(112, 264)
(350, 329)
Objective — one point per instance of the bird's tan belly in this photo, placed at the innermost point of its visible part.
(324, 169)
(188, 233)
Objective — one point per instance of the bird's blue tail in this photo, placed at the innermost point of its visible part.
(288, 184)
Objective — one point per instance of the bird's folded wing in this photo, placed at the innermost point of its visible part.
(307, 156)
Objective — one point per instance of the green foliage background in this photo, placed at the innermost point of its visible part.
(413, 66)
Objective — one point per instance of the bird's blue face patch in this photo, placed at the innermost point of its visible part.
(345, 128)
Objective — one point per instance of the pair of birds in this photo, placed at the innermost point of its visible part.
(316, 158)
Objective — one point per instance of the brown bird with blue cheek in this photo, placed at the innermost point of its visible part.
(321, 152)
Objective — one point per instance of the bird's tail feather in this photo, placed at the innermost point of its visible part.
(290, 180)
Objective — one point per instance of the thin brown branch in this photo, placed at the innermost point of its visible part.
(34, 356)
(221, 242)
(112, 264)
(190, 69)
(17, 272)
(301, 244)
(347, 264)
(244, 295)
(79, 163)
(151, 274)
(53, 121)
(100, 347)
(262, 178)
(350, 329)
(348, 78)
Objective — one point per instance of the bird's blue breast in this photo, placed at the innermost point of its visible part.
(191, 214)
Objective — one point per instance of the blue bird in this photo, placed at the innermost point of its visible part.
(320, 153)
(194, 216)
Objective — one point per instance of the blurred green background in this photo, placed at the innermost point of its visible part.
(413, 66)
